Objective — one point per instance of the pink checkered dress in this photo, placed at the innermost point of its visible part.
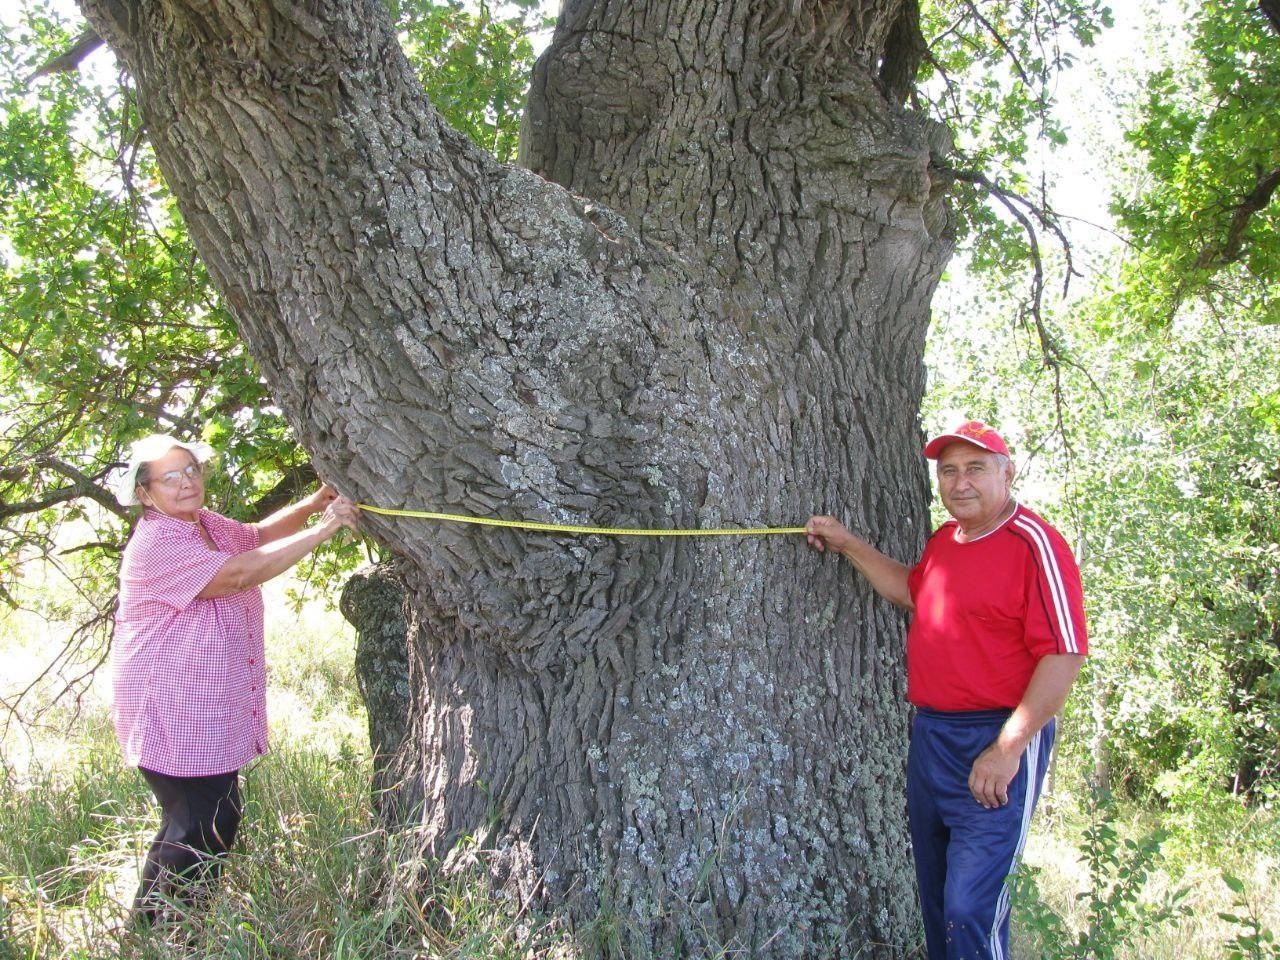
(189, 678)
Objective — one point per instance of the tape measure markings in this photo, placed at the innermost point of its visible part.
(583, 530)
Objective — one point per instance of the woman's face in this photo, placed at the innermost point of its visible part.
(174, 485)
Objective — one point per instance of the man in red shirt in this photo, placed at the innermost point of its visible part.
(997, 638)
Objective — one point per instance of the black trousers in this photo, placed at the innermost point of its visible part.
(198, 822)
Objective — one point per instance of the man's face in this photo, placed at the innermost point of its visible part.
(973, 484)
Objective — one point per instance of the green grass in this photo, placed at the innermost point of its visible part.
(311, 877)
(314, 876)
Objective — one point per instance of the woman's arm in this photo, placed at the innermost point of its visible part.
(257, 566)
(289, 520)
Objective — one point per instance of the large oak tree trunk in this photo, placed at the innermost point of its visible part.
(719, 322)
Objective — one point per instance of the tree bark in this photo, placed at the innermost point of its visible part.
(373, 602)
(709, 309)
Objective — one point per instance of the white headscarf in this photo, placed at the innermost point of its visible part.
(153, 447)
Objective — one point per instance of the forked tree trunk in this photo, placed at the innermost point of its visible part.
(698, 741)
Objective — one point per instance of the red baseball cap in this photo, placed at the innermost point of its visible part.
(975, 432)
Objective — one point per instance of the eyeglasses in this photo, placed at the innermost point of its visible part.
(173, 478)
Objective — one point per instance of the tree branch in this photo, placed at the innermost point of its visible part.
(1254, 201)
(1015, 203)
(1271, 10)
(289, 488)
(70, 59)
(79, 654)
(1018, 206)
(1000, 41)
(80, 486)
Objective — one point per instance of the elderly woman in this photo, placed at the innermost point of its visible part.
(189, 700)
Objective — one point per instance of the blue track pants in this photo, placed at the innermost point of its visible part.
(963, 852)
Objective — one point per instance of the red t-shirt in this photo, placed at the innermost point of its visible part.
(189, 682)
(986, 611)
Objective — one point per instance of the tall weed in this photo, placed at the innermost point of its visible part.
(1251, 938)
(1117, 910)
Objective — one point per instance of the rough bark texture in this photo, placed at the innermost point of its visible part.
(373, 601)
(719, 322)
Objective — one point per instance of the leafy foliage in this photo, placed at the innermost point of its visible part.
(475, 66)
(110, 326)
(1181, 490)
(1252, 940)
(989, 76)
(1206, 220)
(1116, 910)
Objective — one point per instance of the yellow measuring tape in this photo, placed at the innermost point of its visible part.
(582, 530)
